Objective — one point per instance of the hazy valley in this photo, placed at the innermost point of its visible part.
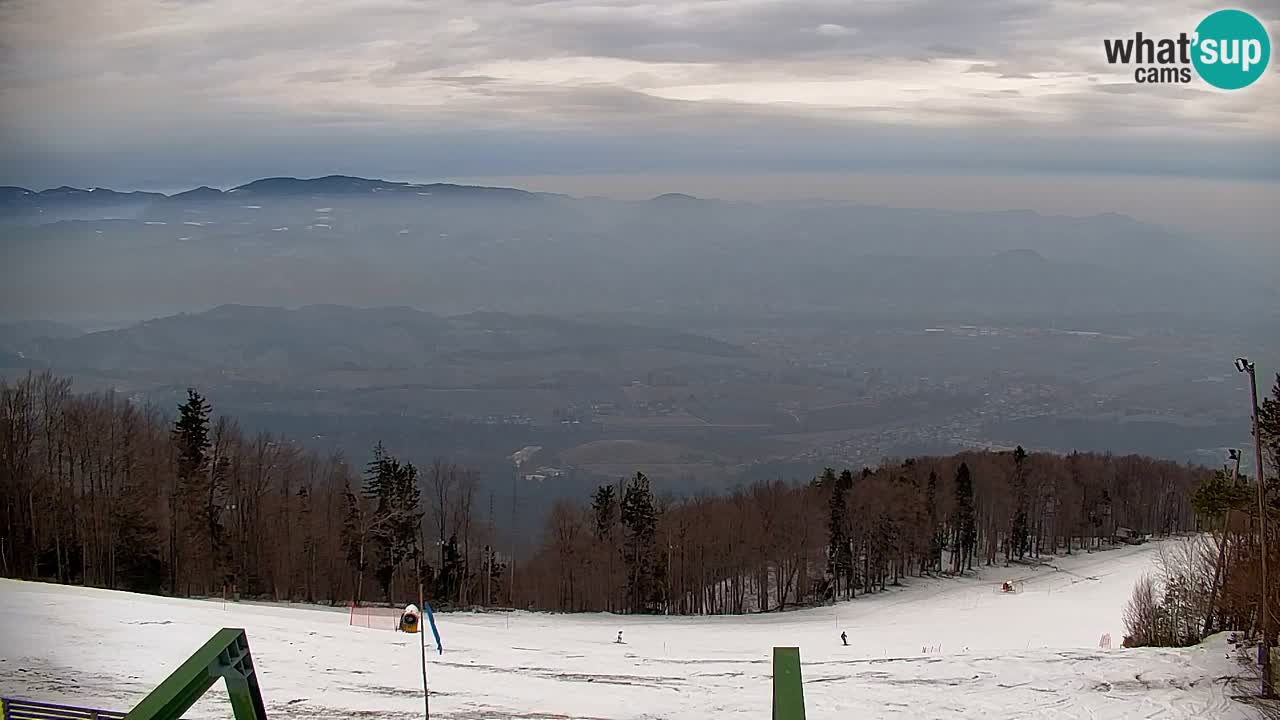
(706, 342)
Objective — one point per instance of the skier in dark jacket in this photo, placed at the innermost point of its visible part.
(844, 638)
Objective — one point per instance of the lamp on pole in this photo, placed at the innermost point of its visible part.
(515, 477)
(1244, 366)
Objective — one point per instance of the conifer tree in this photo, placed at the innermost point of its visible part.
(1018, 532)
(449, 580)
(640, 519)
(964, 522)
(190, 435)
(395, 525)
(604, 507)
(839, 554)
(1269, 431)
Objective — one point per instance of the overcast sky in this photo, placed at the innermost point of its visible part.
(164, 94)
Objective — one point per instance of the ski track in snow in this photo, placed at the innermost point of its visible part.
(1030, 655)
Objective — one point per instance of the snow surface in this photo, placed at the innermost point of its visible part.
(945, 648)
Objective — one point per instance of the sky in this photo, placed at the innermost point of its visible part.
(168, 94)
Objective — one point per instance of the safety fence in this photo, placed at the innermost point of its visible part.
(373, 616)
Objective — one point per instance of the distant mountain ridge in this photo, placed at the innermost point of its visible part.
(320, 337)
(285, 186)
(17, 197)
(100, 257)
(61, 203)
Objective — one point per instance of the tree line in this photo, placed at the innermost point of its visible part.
(1214, 581)
(97, 490)
(772, 545)
(101, 491)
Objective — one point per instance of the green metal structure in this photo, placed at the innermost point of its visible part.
(226, 656)
(788, 690)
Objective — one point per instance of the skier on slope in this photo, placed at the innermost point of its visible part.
(844, 638)
(619, 640)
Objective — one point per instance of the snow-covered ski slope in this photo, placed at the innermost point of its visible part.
(991, 655)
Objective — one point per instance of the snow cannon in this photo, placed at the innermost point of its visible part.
(1011, 587)
(411, 619)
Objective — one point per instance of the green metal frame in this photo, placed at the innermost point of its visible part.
(226, 656)
(788, 689)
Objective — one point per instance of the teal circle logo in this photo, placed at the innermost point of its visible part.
(1231, 49)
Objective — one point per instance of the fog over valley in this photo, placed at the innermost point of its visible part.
(708, 341)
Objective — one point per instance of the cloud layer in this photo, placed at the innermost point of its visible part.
(151, 91)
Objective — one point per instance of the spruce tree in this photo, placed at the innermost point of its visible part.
(1018, 532)
(964, 522)
(1221, 494)
(604, 506)
(395, 526)
(1269, 431)
(449, 580)
(190, 435)
(839, 554)
(605, 509)
(640, 518)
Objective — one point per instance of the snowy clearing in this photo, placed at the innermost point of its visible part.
(953, 648)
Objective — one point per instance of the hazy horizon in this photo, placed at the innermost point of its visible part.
(1241, 214)
(156, 93)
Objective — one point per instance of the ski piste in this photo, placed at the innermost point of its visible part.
(312, 663)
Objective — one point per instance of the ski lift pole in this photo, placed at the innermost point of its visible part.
(422, 642)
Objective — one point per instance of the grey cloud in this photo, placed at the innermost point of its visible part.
(954, 51)
(322, 75)
(908, 30)
(466, 79)
(251, 75)
(1119, 88)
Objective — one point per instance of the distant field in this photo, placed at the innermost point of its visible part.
(636, 453)
(674, 420)
(1179, 440)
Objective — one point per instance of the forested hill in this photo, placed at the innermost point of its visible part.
(317, 338)
(773, 545)
(102, 492)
